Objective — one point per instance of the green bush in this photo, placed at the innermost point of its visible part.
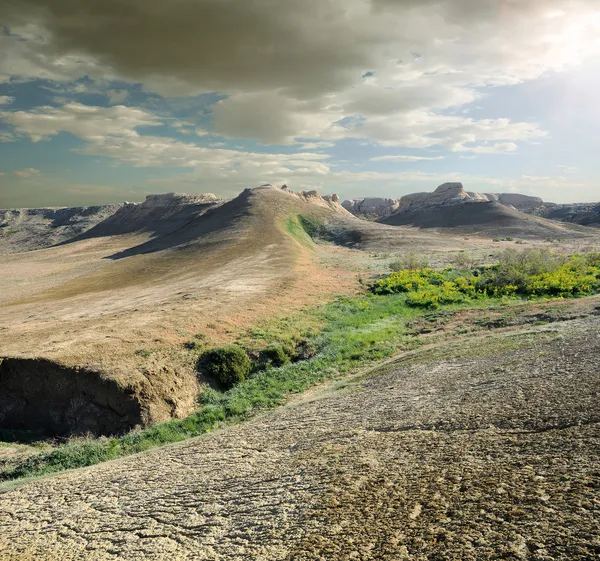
(274, 356)
(515, 267)
(229, 365)
(436, 296)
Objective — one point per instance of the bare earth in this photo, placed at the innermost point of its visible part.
(484, 450)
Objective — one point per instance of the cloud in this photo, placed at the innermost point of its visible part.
(293, 72)
(498, 148)
(271, 118)
(27, 173)
(117, 97)
(403, 158)
(317, 145)
(90, 123)
(6, 99)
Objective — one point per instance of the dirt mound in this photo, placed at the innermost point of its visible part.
(27, 229)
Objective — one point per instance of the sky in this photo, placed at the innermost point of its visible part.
(103, 101)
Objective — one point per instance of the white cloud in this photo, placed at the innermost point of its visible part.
(86, 122)
(27, 173)
(317, 145)
(404, 158)
(498, 148)
(6, 99)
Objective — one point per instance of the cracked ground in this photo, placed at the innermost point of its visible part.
(484, 450)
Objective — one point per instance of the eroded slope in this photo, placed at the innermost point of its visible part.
(483, 449)
(124, 298)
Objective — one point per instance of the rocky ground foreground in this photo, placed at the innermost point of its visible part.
(484, 450)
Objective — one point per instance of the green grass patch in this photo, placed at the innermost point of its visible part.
(295, 228)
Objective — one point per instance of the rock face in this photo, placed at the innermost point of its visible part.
(520, 202)
(158, 215)
(371, 207)
(41, 395)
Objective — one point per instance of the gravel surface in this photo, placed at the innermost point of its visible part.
(487, 449)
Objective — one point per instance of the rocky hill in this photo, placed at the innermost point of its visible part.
(371, 208)
(374, 208)
(157, 215)
(26, 229)
(487, 214)
(378, 208)
(585, 214)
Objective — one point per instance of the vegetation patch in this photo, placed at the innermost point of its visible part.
(528, 273)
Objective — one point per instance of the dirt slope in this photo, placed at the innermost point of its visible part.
(120, 302)
(487, 449)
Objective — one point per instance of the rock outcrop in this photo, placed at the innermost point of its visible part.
(520, 202)
(447, 194)
(371, 207)
(485, 214)
(157, 215)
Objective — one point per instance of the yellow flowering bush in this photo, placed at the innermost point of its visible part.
(525, 273)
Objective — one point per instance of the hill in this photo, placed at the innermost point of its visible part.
(584, 214)
(450, 207)
(100, 333)
(93, 329)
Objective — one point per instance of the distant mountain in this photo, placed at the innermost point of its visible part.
(378, 208)
(26, 229)
(486, 214)
(374, 208)
(585, 214)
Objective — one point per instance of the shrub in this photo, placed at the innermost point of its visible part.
(533, 272)
(407, 280)
(514, 268)
(273, 355)
(435, 296)
(409, 262)
(463, 260)
(592, 259)
(229, 365)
